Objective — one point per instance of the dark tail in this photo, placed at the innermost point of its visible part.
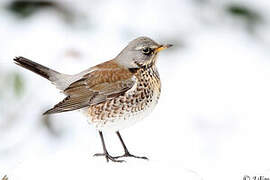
(37, 68)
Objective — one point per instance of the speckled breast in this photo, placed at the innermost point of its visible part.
(125, 110)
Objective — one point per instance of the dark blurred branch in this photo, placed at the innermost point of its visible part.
(5, 177)
(49, 125)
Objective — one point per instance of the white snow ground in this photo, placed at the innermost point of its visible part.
(212, 121)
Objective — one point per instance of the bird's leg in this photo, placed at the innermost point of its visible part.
(127, 154)
(105, 152)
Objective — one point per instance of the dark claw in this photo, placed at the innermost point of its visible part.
(130, 155)
(109, 157)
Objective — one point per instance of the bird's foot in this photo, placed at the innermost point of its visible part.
(109, 157)
(127, 154)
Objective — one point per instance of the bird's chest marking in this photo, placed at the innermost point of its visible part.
(137, 101)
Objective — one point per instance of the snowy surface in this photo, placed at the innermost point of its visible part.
(213, 118)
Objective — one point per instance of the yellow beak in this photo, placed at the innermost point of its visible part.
(162, 47)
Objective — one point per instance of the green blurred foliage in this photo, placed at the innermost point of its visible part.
(25, 9)
(18, 84)
(249, 16)
(13, 84)
(244, 12)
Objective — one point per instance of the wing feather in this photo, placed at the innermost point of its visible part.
(96, 87)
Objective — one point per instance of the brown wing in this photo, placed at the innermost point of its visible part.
(107, 80)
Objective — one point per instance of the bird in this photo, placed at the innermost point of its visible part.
(114, 94)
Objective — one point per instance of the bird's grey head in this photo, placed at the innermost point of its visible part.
(140, 52)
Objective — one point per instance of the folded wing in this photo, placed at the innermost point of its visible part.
(108, 80)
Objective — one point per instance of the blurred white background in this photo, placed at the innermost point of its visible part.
(213, 118)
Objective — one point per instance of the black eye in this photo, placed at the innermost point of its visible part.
(147, 51)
